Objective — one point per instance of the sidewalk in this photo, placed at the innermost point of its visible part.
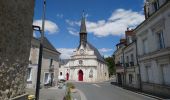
(139, 92)
(52, 93)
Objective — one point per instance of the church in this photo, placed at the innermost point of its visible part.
(86, 63)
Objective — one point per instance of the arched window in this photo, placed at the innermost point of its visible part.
(91, 73)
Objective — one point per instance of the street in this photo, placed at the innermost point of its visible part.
(52, 94)
(107, 91)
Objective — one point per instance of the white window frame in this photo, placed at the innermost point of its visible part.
(30, 75)
(164, 65)
(145, 46)
(47, 78)
(160, 40)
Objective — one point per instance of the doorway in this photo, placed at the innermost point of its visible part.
(119, 78)
(67, 76)
(80, 75)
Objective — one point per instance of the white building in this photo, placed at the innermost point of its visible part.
(153, 42)
(86, 64)
(50, 64)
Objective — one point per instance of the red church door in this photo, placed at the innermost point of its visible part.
(67, 76)
(80, 75)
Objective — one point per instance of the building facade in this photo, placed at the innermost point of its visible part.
(153, 46)
(119, 62)
(50, 64)
(86, 63)
(130, 61)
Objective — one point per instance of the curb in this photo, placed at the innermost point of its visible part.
(83, 97)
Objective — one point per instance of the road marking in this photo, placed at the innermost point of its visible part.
(96, 85)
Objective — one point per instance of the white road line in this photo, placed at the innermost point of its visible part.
(96, 85)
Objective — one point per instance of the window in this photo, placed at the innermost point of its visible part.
(156, 5)
(166, 73)
(46, 78)
(130, 78)
(91, 73)
(132, 59)
(145, 46)
(80, 62)
(149, 74)
(127, 59)
(29, 74)
(160, 40)
(51, 62)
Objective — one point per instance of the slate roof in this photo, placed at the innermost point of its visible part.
(47, 44)
(83, 25)
(96, 52)
(64, 61)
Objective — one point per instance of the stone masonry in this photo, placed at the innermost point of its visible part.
(16, 17)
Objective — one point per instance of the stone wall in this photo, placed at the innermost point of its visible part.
(16, 17)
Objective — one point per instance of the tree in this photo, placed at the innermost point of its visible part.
(111, 65)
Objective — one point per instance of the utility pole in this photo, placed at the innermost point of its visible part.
(40, 54)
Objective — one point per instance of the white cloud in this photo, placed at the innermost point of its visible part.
(66, 52)
(73, 31)
(104, 50)
(72, 23)
(50, 26)
(116, 24)
(59, 15)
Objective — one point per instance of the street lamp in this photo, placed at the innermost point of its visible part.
(40, 53)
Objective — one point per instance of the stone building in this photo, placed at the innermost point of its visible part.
(64, 68)
(153, 46)
(16, 19)
(130, 61)
(50, 64)
(119, 62)
(86, 64)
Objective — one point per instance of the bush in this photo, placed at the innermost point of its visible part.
(70, 85)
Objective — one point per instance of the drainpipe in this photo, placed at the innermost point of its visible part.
(124, 76)
(140, 81)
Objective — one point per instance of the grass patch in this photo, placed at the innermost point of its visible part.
(69, 87)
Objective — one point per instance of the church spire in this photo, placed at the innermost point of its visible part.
(83, 24)
(83, 32)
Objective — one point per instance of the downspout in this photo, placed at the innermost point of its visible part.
(124, 76)
(140, 81)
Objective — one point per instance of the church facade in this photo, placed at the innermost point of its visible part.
(86, 63)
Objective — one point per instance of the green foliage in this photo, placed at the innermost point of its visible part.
(68, 95)
(111, 65)
(70, 85)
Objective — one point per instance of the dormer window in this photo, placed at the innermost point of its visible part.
(156, 5)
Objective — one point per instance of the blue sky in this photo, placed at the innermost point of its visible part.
(106, 22)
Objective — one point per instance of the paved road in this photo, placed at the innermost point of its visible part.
(107, 91)
(52, 94)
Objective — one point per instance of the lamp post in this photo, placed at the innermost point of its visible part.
(40, 54)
